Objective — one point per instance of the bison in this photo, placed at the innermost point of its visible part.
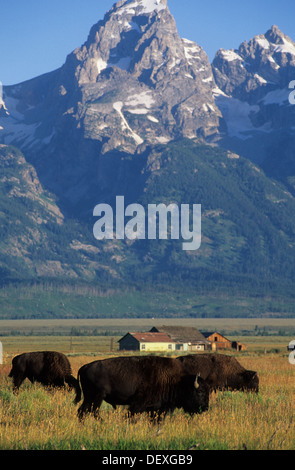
(221, 372)
(50, 368)
(151, 384)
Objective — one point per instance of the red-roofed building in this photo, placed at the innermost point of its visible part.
(165, 338)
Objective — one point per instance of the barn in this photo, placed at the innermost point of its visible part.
(220, 342)
(217, 340)
(238, 346)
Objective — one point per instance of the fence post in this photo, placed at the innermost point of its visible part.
(1, 353)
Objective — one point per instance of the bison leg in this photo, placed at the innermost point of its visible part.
(96, 406)
(84, 408)
(155, 416)
(89, 405)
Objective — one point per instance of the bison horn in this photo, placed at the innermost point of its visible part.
(196, 384)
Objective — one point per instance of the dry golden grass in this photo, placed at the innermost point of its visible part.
(39, 419)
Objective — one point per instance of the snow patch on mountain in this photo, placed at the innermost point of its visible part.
(145, 98)
(263, 42)
(237, 115)
(145, 6)
(279, 97)
(15, 129)
(101, 65)
(125, 126)
(230, 55)
(191, 50)
(287, 47)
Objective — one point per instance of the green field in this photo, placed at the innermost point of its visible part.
(37, 419)
(228, 326)
(93, 345)
(90, 336)
(70, 302)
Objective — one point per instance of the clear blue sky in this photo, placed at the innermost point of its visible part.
(37, 35)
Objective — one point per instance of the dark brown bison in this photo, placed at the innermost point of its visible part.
(221, 372)
(50, 368)
(151, 384)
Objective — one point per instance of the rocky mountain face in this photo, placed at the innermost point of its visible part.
(134, 83)
(139, 76)
(37, 241)
(139, 111)
(253, 96)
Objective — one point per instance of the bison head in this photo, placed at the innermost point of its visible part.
(250, 380)
(246, 380)
(193, 394)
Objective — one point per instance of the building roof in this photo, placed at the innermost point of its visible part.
(181, 334)
(150, 337)
(207, 334)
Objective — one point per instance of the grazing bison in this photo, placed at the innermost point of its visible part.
(50, 368)
(149, 384)
(221, 372)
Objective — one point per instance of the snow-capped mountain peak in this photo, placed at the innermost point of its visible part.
(140, 6)
(254, 81)
(134, 82)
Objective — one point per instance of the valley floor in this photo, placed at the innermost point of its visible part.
(38, 419)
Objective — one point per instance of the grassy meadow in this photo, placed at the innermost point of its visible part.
(39, 419)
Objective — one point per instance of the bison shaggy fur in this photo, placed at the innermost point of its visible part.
(50, 368)
(151, 384)
(221, 372)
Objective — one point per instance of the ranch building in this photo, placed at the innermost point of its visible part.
(185, 338)
(146, 342)
(165, 338)
(219, 342)
(239, 346)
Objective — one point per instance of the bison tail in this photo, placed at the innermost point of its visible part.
(78, 390)
(72, 382)
(10, 373)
